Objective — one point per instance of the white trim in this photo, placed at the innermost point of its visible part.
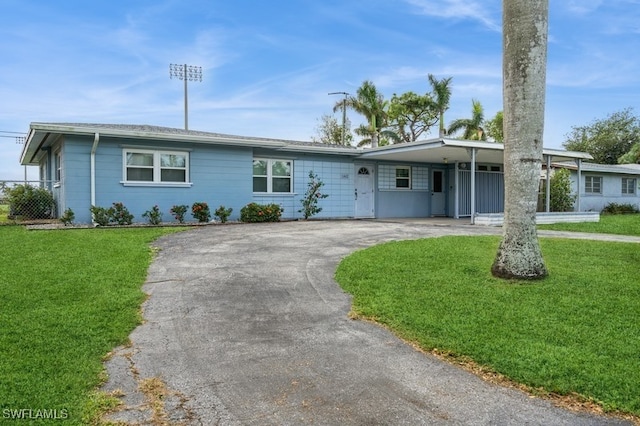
(158, 184)
(624, 188)
(407, 178)
(156, 167)
(269, 176)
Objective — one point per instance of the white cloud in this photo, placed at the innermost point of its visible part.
(460, 10)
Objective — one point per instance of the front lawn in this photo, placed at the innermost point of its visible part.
(68, 297)
(620, 224)
(576, 331)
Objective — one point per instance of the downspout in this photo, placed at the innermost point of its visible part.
(94, 148)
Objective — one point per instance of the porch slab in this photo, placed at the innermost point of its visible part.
(496, 219)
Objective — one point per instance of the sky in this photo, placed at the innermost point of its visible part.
(268, 66)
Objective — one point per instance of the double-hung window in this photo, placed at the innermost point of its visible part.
(403, 177)
(593, 184)
(629, 186)
(156, 167)
(272, 176)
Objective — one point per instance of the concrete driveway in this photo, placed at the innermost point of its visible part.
(246, 326)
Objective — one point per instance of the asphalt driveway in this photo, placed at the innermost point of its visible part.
(246, 326)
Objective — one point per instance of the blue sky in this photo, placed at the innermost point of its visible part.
(268, 66)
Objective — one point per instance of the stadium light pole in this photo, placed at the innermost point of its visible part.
(186, 73)
(344, 113)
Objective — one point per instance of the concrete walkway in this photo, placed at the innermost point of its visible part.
(246, 326)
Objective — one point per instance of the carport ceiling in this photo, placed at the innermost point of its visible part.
(442, 151)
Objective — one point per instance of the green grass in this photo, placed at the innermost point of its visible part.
(68, 297)
(622, 224)
(576, 331)
(4, 211)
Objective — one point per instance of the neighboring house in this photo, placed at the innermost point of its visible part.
(602, 184)
(143, 166)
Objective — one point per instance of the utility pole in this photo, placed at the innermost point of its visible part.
(186, 73)
(344, 113)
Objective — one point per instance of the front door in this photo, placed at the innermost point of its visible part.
(438, 196)
(364, 191)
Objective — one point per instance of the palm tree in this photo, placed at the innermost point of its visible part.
(524, 58)
(371, 104)
(472, 127)
(441, 96)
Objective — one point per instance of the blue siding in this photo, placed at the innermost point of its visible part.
(220, 176)
(335, 173)
(391, 202)
(75, 187)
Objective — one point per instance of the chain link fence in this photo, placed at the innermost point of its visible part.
(23, 201)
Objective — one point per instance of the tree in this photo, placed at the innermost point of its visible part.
(606, 139)
(410, 115)
(472, 127)
(631, 157)
(441, 96)
(329, 131)
(371, 104)
(495, 127)
(524, 62)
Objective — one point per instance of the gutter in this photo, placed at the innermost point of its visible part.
(94, 148)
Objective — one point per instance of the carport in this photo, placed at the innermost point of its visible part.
(474, 181)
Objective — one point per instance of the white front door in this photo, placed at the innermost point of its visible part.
(364, 191)
(438, 195)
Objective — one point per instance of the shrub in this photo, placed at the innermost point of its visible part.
(154, 216)
(30, 202)
(178, 212)
(254, 212)
(312, 196)
(101, 215)
(615, 208)
(68, 217)
(121, 215)
(200, 211)
(223, 213)
(561, 199)
(117, 214)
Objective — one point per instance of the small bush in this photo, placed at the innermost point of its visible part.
(121, 214)
(100, 215)
(615, 208)
(117, 214)
(153, 216)
(223, 213)
(30, 202)
(254, 212)
(312, 197)
(200, 211)
(68, 217)
(178, 212)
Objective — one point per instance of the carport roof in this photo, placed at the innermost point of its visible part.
(453, 150)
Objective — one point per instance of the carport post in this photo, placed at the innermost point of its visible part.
(473, 186)
(456, 186)
(579, 184)
(547, 200)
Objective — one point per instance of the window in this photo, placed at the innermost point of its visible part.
(271, 176)
(629, 186)
(58, 166)
(403, 177)
(593, 184)
(155, 166)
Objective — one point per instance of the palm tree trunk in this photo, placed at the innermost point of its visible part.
(525, 26)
